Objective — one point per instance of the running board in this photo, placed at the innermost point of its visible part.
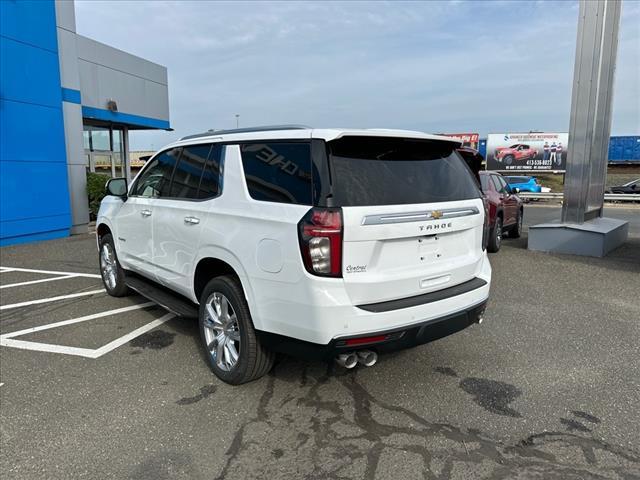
(167, 299)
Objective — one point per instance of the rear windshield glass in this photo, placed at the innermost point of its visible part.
(397, 171)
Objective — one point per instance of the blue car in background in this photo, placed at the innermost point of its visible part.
(525, 184)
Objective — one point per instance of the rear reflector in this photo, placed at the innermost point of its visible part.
(363, 340)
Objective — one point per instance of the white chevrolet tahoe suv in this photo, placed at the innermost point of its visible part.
(320, 243)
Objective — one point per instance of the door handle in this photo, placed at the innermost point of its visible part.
(191, 220)
(145, 213)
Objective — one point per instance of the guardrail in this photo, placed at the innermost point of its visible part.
(608, 197)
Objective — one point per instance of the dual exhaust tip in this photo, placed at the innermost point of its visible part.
(351, 359)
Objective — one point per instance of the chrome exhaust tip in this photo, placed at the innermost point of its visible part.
(367, 358)
(347, 360)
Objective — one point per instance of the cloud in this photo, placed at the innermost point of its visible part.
(432, 66)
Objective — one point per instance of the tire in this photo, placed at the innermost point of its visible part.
(110, 270)
(508, 159)
(241, 358)
(495, 237)
(516, 230)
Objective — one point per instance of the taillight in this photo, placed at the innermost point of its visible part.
(485, 227)
(320, 235)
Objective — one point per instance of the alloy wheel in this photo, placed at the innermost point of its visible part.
(108, 266)
(221, 331)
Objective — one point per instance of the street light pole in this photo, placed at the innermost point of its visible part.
(237, 120)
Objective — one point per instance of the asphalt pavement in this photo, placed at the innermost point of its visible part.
(547, 387)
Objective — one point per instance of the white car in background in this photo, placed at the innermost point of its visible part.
(321, 243)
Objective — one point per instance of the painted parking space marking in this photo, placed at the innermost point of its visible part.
(49, 272)
(50, 299)
(93, 316)
(130, 336)
(42, 280)
(9, 340)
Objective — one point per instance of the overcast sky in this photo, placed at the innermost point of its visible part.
(432, 66)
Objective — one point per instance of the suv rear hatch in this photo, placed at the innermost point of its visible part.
(412, 216)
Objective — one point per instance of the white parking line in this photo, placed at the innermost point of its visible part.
(8, 340)
(32, 282)
(51, 272)
(48, 347)
(51, 299)
(75, 320)
(130, 336)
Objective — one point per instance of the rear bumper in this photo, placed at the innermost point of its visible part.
(392, 340)
(321, 311)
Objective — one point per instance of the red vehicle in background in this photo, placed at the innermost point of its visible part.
(504, 206)
(505, 209)
(519, 151)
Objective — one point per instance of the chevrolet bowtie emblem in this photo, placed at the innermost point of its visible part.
(436, 214)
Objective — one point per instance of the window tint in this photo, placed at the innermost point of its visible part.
(186, 177)
(278, 171)
(397, 171)
(210, 182)
(154, 180)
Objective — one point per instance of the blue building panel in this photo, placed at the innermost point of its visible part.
(30, 21)
(31, 133)
(29, 74)
(72, 96)
(34, 192)
(34, 198)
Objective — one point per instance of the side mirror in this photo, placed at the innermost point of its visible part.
(515, 190)
(117, 187)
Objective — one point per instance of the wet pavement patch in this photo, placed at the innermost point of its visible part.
(573, 425)
(492, 395)
(204, 393)
(450, 372)
(586, 416)
(155, 340)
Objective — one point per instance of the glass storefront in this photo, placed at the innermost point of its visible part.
(104, 150)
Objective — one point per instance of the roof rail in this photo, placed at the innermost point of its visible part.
(266, 128)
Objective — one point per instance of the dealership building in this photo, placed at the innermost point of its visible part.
(67, 106)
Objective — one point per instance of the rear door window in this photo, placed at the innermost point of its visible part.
(397, 171)
(211, 181)
(278, 171)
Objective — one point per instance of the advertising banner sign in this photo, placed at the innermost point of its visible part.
(527, 151)
(468, 139)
